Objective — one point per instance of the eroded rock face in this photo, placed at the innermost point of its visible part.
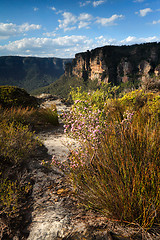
(116, 63)
(124, 69)
(144, 69)
(157, 71)
(98, 68)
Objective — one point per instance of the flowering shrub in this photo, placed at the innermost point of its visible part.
(84, 123)
(116, 168)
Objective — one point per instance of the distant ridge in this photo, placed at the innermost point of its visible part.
(30, 73)
(127, 66)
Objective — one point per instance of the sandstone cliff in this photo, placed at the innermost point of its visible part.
(117, 63)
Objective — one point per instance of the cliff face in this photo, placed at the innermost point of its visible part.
(117, 63)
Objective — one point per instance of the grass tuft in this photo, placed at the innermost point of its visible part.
(116, 169)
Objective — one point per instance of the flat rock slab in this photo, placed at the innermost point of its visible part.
(57, 143)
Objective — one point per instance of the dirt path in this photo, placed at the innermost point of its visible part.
(57, 143)
(50, 218)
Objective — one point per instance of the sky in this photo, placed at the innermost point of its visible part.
(62, 28)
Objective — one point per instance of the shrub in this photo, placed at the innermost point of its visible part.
(120, 176)
(13, 96)
(14, 205)
(12, 196)
(48, 115)
(18, 115)
(116, 169)
(16, 142)
(30, 116)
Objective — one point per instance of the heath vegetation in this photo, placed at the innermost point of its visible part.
(19, 115)
(116, 169)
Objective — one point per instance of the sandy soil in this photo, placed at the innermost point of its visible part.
(54, 138)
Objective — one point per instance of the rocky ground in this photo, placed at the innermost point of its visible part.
(55, 213)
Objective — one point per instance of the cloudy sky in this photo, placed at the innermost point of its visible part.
(62, 28)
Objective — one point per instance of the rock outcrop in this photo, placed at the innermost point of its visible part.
(117, 64)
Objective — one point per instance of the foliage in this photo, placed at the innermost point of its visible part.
(133, 84)
(16, 142)
(116, 169)
(34, 117)
(48, 115)
(61, 87)
(30, 72)
(13, 96)
(12, 196)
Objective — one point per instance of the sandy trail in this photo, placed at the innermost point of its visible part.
(54, 138)
(50, 218)
(57, 143)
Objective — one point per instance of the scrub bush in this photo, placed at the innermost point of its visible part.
(116, 169)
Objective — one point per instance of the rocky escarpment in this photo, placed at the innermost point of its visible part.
(117, 64)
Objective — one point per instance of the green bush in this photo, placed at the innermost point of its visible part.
(116, 169)
(12, 197)
(120, 176)
(16, 142)
(19, 114)
(11, 96)
(30, 116)
(48, 115)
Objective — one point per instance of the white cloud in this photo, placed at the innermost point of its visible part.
(138, 1)
(35, 9)
(50, 34)
(47, 46)
(144, 12)
(109, 21)
(85, 17)
(53, 8)
(69, 28)
(83, 4)
(10, 29)
(71, 22)
(83, 24)
(129, 39)
(133, 40)
(94, 3)
(149, 39)
(26, 27)
(97, 3)
(156, 22)
(102, 41)
(68, 19)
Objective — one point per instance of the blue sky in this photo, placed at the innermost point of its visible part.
(62, 28)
